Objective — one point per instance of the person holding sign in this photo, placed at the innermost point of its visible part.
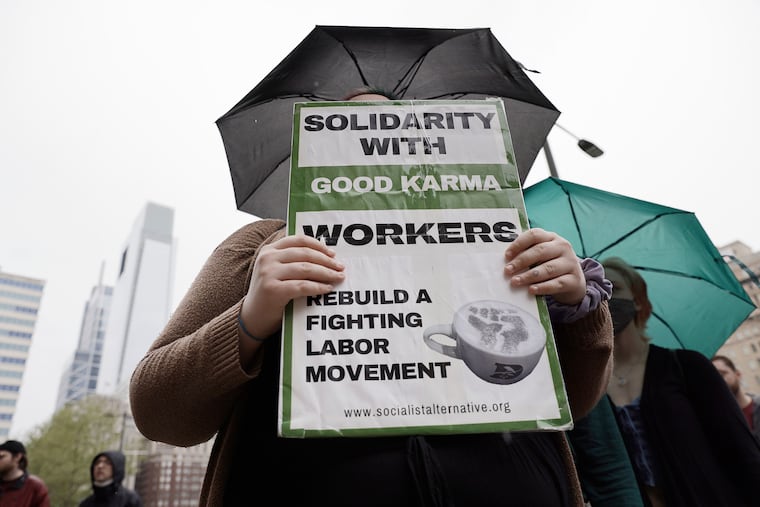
(214, 372)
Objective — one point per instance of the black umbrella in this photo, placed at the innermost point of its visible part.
(412, 63)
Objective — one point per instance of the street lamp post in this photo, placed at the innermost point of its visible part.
(550, 160)
(123, 430)
(587, 146)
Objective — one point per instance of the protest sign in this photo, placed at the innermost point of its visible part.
(419, 199)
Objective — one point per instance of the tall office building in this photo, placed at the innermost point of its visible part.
(80, 377)
(19, 303)
(141, 301)
(140, 307)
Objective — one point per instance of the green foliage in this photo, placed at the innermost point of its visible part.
(61, 450)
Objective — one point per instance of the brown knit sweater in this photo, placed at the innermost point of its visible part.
(187, 387)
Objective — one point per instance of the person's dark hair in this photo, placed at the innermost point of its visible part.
(728, 362)
(362, 90)
(15, 447)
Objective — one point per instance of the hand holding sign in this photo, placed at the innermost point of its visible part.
(546, 263)
(288, 268)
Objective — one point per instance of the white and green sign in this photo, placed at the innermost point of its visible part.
(419, 199)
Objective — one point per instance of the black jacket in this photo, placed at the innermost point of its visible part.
(698, 434)
(113, 495)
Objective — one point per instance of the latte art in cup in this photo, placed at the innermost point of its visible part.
(499, 342)
(500, 329)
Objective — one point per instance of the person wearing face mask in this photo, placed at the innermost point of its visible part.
(684, 432)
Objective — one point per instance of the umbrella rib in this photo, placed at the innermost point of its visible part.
(673, 332)
(353, 58)
(250, 194)
(699, 278)
(408, 77)
(575, 221)
(751, 274)
(598, 254)
(401, 90)
(243, 106)
(309, 96)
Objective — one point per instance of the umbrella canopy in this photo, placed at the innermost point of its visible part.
(697, 301)
(412, 63)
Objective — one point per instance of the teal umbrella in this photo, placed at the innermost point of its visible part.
(697, 301)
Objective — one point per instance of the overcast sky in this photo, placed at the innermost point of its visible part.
(107, 105)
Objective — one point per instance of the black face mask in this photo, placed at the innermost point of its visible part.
(623, 311)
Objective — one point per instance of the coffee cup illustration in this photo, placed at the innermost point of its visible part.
(499, 342)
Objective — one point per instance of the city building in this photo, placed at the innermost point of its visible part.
(80, 376)
(743, 346)
(172, 476)
(140, 305)
(20, 298)
(142, 297)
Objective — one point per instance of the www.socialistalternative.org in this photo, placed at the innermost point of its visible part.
(428, 409)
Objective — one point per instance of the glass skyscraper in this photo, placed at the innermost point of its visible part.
(141, 301)
(80, 376)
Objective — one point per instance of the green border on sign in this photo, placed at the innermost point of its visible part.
(508, 195)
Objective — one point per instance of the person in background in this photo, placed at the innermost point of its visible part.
(18, 488)
(214, 372)
(688, 440)
(750, 404)
(107, 473)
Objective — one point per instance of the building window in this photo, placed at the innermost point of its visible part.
(123, 262)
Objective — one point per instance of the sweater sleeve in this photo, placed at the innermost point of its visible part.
(584, 347)
(184, 388)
